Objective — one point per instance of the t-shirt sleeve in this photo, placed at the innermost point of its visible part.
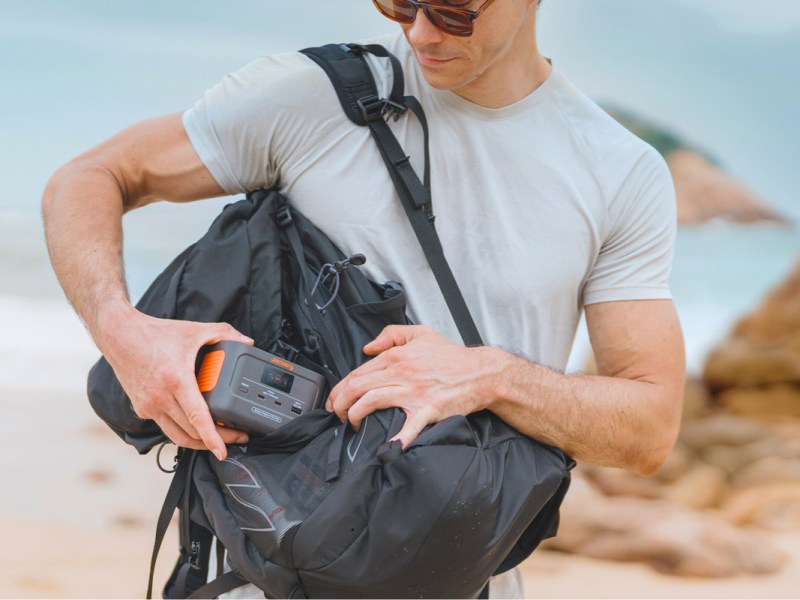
(635, 259)
(251, 123)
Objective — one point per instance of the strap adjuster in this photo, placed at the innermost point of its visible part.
(283, 216)
(371, 108)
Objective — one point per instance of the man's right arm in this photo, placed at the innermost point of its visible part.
(82, 207)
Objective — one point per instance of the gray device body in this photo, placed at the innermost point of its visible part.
(254, 391)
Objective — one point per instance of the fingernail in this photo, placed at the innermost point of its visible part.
(218, 454)
(329, 406)
(242, 439)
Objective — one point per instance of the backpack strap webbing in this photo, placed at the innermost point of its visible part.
(355, 87)
(195, 540)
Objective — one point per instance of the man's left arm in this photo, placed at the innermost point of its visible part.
(625, 416)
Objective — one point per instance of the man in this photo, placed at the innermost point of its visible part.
(544, 205)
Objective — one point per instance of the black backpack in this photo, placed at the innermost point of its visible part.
(315, 508)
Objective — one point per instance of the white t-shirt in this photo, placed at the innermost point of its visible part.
(542, 207)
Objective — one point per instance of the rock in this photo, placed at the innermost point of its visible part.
(762, 350)
(696, 399)
(735, 458)
(671, 538)
(772, 469)
(774, 506)
(677, 463)
(763, 401)
(704, 192)
(722, 430)
(619, 482)
(701, 487)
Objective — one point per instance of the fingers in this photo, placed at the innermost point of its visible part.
(177, 435)
(373, 400)
(197, 416)
(393, 335)
(415, 423)
(232, 436)
(218, 332)
(157, 364)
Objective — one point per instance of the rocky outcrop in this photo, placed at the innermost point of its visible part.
(701, 514)
(704, 191)
(673, 539)
(734, 471)
(756, 370)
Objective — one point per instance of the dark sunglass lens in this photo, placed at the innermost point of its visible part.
(398, 10)
(450, 22)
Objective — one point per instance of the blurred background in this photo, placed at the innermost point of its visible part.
(712, 84)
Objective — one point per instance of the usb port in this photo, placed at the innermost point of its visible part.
(278, 402)
(296, 410)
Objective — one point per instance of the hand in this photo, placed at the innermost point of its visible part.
(416, 369)
(154, 361)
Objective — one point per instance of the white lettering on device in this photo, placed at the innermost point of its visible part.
(267, 415)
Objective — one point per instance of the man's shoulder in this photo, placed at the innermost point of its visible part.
(603, 140)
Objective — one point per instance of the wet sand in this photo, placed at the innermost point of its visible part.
(78, 506)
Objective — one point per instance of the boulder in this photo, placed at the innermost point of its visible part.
(619, 482)
(671, 538)
(705, 192)
(762, 401)
(771, 469)
(762, 351)
(735, 458)
(701, 487)
(774, 506)
(722, 430)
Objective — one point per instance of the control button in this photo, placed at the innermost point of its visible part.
(244, 387)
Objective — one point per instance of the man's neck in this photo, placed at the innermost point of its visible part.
(497, 88)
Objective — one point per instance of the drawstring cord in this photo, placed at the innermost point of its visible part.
(328, 278)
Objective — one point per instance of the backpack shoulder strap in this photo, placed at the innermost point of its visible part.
(353, 81)
(355, 86)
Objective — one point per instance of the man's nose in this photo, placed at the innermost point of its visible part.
(422, 31)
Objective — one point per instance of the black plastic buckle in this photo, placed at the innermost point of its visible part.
(283, 216)
(371, 108)
(194, 557)
(393, 109)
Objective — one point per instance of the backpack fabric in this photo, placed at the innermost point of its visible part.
(315, 508)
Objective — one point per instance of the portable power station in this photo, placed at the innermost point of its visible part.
(254, 391)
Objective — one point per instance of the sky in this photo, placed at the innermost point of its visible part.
(721, 73)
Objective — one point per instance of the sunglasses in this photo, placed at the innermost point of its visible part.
(451, 20)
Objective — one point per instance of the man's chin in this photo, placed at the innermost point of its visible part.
(439, 80)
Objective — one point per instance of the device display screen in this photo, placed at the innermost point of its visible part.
(277, 378)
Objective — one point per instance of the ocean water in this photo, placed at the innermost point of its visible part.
(722, 74)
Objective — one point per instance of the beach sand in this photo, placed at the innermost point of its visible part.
(78, 506)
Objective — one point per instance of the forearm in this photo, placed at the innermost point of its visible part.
(610, 421)
(82, 211)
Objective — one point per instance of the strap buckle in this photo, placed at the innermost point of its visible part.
(393, 109)
(371, 108)
(283, 216)
(194, 557)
